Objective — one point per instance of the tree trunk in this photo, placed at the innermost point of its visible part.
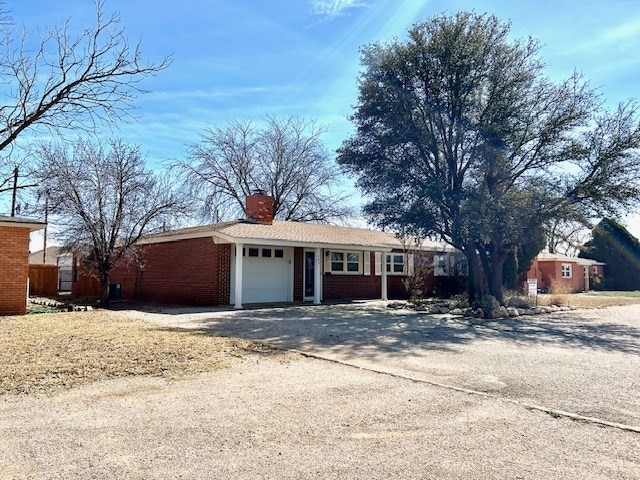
(495, 277)
(493, 263)
(475, 288)
(104, 283)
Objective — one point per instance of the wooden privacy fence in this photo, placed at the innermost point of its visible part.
(43, 280)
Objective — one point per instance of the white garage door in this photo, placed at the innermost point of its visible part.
(266, 275)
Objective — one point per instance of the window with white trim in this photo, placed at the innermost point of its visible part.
(566, 270)
(345, 262)
(441, 265)
(396, 264)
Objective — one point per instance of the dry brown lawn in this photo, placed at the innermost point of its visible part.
(589, 300)
(47, 352)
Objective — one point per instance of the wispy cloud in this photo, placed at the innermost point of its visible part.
(335, 8)
(627, 31)
(205, 95)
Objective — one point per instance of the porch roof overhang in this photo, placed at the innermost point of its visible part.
(225, 238)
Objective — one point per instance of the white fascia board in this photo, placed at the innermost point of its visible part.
(587, 261)
(288, 243)
(32, 226)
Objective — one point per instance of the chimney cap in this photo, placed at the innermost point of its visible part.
(258, 191)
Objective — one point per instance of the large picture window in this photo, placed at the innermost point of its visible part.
(346, 262)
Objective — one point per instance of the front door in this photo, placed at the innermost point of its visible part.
(309, 274)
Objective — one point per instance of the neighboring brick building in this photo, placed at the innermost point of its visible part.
(280, 262)
(14, 263)
(562, 274)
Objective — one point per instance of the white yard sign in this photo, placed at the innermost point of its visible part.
(532, 284)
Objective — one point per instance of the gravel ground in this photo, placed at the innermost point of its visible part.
(274, 416)
(583, 361)
(305, 418)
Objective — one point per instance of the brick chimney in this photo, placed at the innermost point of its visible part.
(259, 207)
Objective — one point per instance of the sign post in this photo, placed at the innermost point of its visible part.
(532, 288)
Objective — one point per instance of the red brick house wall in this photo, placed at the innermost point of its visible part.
(186, 272)
(549, 275)
(14, 270)
(198, 272)
(558, 284)
(337, 287)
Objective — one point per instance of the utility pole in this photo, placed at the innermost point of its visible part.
(15, 192)
(46, 225)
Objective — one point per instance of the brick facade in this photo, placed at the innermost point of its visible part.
(197, 271)
(14, 269)
(342, 287)
(259, 208)
(185, 272)
(549, 275)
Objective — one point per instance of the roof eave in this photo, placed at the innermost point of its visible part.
(295, 243)
(31, 225)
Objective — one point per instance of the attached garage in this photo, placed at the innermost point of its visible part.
(267, 274)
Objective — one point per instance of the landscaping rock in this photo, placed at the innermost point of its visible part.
(492, 308)
(396, 305)
(456, 311)
(513, 312)
(439, 309)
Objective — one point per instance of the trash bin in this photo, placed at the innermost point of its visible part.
(115, 291)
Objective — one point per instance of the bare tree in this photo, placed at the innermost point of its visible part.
(103, 201)
(566, 237)
(67, 81)
(419, 266)
(285, 158)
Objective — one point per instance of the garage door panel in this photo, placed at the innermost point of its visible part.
(266, 279)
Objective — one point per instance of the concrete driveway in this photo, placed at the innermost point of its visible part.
(585, 362)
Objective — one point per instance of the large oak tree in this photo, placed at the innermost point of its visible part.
(461, 136)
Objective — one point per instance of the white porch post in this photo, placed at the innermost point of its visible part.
(383, 272)
(238, 279)
(317, 273)
(586, 279)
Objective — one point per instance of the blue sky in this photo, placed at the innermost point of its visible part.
(239, 59)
